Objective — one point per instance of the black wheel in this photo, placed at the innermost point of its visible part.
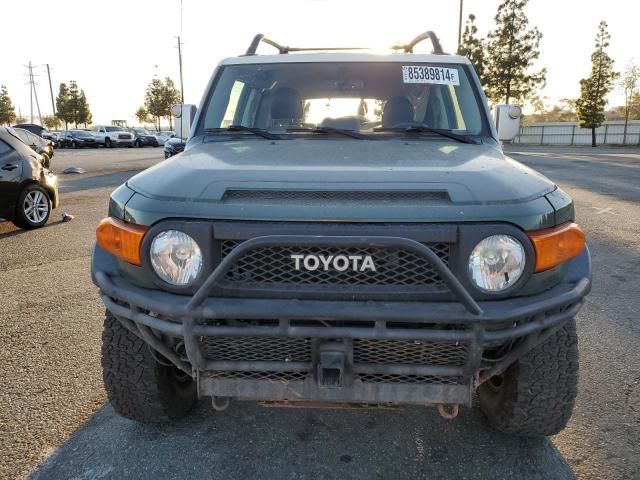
(138, 144)
(138, 387)
(535, 396)
(107, 143)
(74, 144)
(33, 208)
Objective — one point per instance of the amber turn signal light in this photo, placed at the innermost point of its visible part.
(556, 245)
(121, 239)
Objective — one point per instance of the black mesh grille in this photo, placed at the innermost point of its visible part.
(251, 375)
(328, 197)
(394, 267)
(268, 349)
(410, 379)
(413, 352)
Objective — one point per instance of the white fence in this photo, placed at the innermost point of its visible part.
(569, 133)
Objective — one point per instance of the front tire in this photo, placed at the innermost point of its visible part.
(33, 207)
(138, 387)
(535, 395)
(107, 143)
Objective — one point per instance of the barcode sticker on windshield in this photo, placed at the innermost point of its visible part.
(427, 74)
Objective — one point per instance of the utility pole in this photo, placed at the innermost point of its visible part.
(180, 62)
(460, 24)
(33, 93)
(53, 103)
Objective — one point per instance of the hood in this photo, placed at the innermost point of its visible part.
(478, 174)
(461, 177)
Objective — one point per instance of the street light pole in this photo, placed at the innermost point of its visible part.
(460, 24)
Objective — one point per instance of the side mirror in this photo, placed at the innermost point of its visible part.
(184, 114)
(507, 118)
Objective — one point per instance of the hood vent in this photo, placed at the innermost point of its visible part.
(334, 196)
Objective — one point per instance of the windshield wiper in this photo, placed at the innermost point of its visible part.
(241, 128)
(419, 128)
(328, 130)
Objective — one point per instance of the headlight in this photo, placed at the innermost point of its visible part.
(176, 257)
(496, 263)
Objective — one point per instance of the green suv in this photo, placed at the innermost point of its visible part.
(343, 227)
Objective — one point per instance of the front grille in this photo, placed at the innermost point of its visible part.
(124, 136)
(267, 349)
(331, 197)
(410, 379)
(412, 352)
(394, 267)
(302, 350)
(251, 375)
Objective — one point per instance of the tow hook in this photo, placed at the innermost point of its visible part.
(445, 414)
(222, 406)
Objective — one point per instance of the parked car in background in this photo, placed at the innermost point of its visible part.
(142, 138)
(173, 146)
(111, 136)
(28, 191)
(163, 136)
(38, 144)
(55, 137)
(78, 139)
(33, 128)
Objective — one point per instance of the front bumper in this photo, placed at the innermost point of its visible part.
(335, 332)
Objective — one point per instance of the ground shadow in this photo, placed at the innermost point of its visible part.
(250, 441)
(19, 231)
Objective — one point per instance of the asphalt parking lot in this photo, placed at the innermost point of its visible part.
(54, 422)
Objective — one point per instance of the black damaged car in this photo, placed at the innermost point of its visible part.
(28, 191)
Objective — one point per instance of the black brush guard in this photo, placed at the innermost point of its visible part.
(525, 321)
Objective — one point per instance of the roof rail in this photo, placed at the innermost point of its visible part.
(408, 48)
(282, 49)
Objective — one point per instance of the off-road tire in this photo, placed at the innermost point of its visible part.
(138, 387)
(536, 395)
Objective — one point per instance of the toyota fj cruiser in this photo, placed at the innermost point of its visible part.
(343, 227)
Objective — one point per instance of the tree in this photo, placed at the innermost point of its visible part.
(473, 47)
(7, 110)
(84, 112)
(52, 122)
(62, 105)
(171, 97)
(159, 98)
(512, 50)
(74, 102)
(154, 101)
(142, 115)
(629, 84)
(594, 89)
(634, 107)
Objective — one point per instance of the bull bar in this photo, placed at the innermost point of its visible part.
(526, 321)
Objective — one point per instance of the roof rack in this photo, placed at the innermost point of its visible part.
(408, 48)
(282, 49)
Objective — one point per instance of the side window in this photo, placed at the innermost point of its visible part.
(4, 150)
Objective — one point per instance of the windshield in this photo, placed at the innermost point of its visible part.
(112, 129)
(358, 96)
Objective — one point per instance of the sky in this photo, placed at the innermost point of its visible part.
(114, 48)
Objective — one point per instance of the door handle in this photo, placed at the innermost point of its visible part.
(10, 166)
